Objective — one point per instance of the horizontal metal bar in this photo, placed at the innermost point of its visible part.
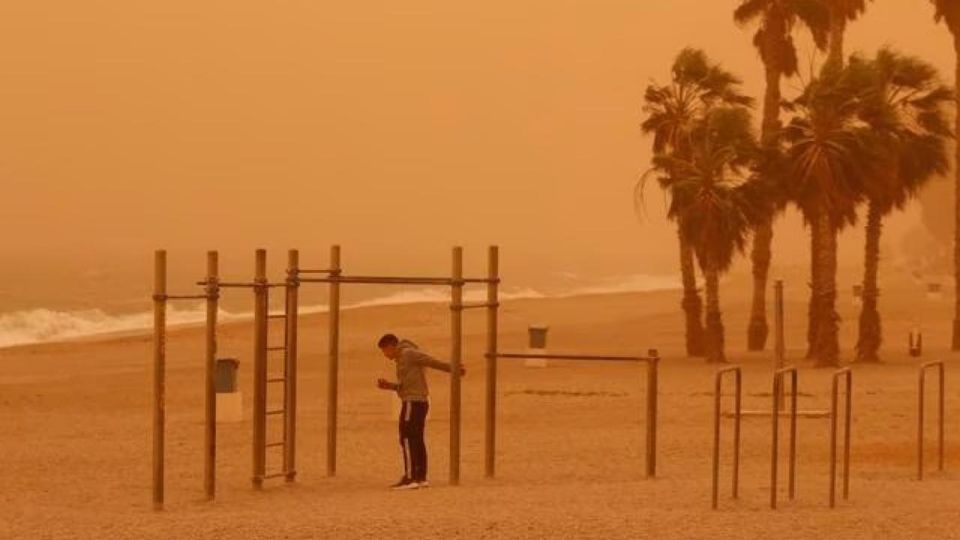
(185, 297)
(277, 379)
(476, 305)
(242, 285)
(784, 413)
(274, 475)
(395, 280)
(315, 271)
(276, 348)
(275, 411)
(282, 316)
(275, 444)
(550, 356)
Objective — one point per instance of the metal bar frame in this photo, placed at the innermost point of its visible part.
(333, 355)
(456, 350)
(210, 391)
(260, 311)
(774, 457)
(717, 393)
(490, 403)
(847, 377)
(652, 360)
(159, 373)
(291, 320)
(941, 369)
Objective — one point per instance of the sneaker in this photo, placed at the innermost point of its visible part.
(403, 482)
(423, 483)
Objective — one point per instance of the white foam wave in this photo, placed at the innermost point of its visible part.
(45, 325)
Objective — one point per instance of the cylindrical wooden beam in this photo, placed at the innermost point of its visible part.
(456, 330)
(210, 391)
(333, 362)
(159, 371)
(260, 321)
(290, 366)
(653, 367)
(490, 416)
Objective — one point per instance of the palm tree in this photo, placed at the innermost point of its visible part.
(714, 201)
(671, 110)
(827, 161)
(948, 11)
(905, 105)
(841, 13)
(774, 40)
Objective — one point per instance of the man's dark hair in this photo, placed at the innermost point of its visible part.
(387, 340)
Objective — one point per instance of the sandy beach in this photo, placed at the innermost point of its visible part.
(76, 443)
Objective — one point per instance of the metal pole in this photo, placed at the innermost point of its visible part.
(717, 396)
(848, 413)
(920, 427)
(793, 434)
(717, 389)
(159, 371)
(490, 418)
(260, 322)
(736, 433)
(777, 383)
(334, 360)
(780, 345)
(456, 330)
(210, 390)
(653, 366)
(833, 440)
(940, 416)
(291, 319)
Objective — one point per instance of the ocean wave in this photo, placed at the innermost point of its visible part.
(46, 325)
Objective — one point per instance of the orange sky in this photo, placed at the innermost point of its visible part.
(394, 128)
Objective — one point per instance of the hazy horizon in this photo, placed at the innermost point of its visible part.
(396, 132)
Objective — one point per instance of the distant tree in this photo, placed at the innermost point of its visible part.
(905, 105)
(777, 21)
(948, 11)
(714, 200)
(671, 111)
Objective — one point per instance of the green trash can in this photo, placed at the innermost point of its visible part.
(225, 380)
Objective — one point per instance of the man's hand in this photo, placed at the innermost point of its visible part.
(384, 384)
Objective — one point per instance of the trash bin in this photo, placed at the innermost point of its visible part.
(537, 344)
(225, 380)
(229, 398)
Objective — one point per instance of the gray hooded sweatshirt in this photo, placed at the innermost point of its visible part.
(411, 379)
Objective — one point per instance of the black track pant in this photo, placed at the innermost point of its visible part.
(413, 417)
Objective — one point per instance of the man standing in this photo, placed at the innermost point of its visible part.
(411, 388)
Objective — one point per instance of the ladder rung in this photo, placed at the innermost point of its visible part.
(281, 316)
(275, 444)
(276, 348)
(277, 379)
(274, 475)
(276, 411)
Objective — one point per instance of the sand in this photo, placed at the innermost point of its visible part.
(77, 423)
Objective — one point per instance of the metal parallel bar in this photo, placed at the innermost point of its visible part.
(236, 285)
(780, 344)
(774, 458)
(456, 336)
(276, 379)
(275, 412)
(550, 356)
(846, 374)
(314, 271)
(717, 393)
(477, 305)
(333, 360)
(280, 348)
(261, 309)
(490, 405)
(782, 413)
(277, 316)
(291, 316)
(920, 414)
(210, 396)
(275, 444)
(392, 280)
(159, 373)
(653, 392)
(272, 476)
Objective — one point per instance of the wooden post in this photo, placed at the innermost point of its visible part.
(210, 391)
(291, 316)
(456, 312)
(159, 371)
(490, 416)
(260, 321)
(334, 359)
(653, 366)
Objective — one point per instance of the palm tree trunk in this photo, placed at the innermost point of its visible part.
(838, 26)
(827, 345)
(763, 235)
(692, 305)
(871, 335)
(715, 339)
(813, 309)
(956, 240)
